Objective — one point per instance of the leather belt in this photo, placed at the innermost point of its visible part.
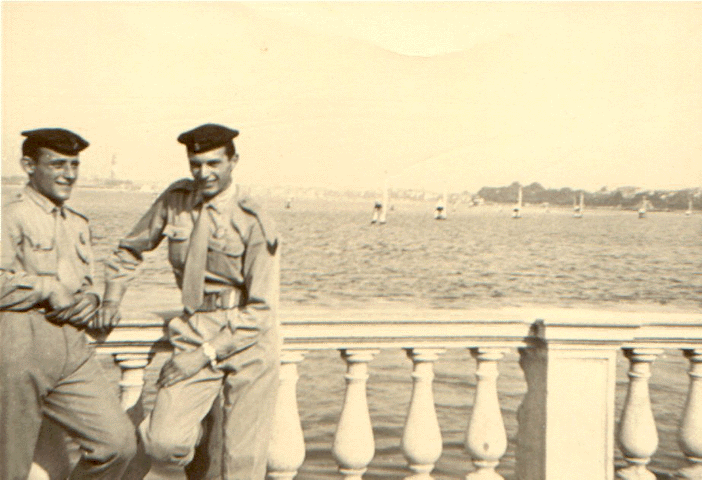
(224, 300)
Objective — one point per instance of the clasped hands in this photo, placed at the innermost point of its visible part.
(81, 309)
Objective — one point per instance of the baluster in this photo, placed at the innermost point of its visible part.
(421, 440)
(131, 384)
(354, 446)
(287, 447)
(690, 433)
(638, 438)
(486, 438)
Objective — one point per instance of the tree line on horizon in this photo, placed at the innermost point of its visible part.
(624, 197)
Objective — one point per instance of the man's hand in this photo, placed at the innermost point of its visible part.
(79, 313)
(109, 316)
(60, 297)
(181, 366)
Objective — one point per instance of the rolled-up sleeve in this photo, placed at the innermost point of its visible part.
(122, 265)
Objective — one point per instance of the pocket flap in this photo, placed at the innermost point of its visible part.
(176, 233)
(230, 246)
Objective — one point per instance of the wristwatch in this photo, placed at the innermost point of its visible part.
(210, 353)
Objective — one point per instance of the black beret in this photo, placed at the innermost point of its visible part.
(207, 137)
(57, 139)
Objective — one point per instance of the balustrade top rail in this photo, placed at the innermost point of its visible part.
(330, 328)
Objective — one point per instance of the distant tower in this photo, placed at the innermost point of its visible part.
(113, 168)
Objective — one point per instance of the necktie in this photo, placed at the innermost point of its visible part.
(64, 269)
(195, 262)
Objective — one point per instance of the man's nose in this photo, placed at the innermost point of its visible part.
(70, 171)
(206, 171)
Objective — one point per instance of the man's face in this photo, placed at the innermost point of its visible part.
(52, 174)
(212, 170)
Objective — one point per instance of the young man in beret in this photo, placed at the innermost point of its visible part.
(223, 251)
(46, 366)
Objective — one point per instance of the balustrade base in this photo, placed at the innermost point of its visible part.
(484, 474)
(635, 472)
(281, 475)
(352, 474)
(693, 472)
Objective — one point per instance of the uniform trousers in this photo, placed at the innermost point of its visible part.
(248, 381)
(49, 370)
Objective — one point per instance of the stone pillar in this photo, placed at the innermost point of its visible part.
(566, 419)
(287, 447)
(486, 439)
(421, 440)
(690, 433)
(131, 383)
(354, 446)
(638, 438)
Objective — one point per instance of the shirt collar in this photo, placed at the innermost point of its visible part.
(219, 201)
(47, 205)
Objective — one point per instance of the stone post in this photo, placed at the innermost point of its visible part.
(690, 433)
(354, 446)
(421, 439)
(566, 420)
(287, 448)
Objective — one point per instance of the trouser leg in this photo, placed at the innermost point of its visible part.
(249, 407)
(207, 462)
(20, 420)
(173, 428)
(25, 377)
(87, 406)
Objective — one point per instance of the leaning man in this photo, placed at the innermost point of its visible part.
(46, 366)
(223, 253)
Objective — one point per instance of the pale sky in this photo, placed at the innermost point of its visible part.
(439, 95)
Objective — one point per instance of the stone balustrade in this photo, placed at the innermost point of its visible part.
(566, 421)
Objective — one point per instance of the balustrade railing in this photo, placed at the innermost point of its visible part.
(566, 421)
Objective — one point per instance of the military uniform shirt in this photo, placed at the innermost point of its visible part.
(239, 266)
(42, 243)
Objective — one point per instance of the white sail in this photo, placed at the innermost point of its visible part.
(441, 207)
(578, 208)
(643, 208)
(688, 212)
(384, 206)
(517, 210)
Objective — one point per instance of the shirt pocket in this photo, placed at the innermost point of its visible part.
(225, 257)
(39, 254)
(178, 237)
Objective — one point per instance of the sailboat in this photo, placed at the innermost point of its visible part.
(381, 207)
(384, 206)
(643, 208)
(688, 212)
(578, 208)
(517, 210)
(441, 207)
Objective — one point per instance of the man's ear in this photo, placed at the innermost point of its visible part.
(28, 164)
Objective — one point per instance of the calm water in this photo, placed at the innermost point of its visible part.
(479, 257)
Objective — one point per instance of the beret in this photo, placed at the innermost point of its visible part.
(57, 139)
(207, 137)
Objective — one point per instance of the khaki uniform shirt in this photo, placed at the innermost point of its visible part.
(42, 243)
(241, 262)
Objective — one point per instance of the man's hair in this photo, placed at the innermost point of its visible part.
(30, 148)
(229, 150)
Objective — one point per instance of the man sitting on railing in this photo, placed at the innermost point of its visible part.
(47, 368)
(223, 253)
